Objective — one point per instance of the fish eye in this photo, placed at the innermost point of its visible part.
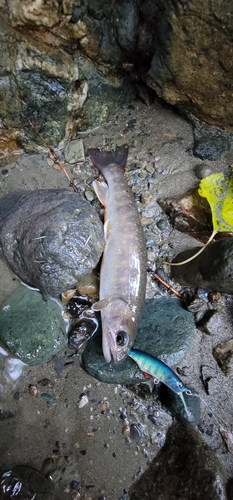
(122, 338)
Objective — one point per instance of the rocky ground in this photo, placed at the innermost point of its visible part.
(94, 439)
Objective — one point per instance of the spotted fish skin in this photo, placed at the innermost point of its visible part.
(158, 370)
(124, 262)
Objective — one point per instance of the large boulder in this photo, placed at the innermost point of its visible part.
(50, 238)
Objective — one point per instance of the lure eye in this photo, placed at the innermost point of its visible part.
(179, 384)
(122, 338)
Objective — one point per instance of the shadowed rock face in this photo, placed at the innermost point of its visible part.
(70, 64)
(50, 238)
(184, 468)
(212, 269)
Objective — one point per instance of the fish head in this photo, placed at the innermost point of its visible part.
(118, 329)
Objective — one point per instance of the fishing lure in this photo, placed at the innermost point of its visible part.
(158, 370)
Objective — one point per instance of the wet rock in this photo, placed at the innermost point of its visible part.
(165, 330)
(210, 142)
(212, 269)
(74, 151)
(25, 482)
(33, 329)
(50, 238)
(201, 170)
(106, 91)
(189, 213)
(185, 468)
(223, 354)
(124, 44)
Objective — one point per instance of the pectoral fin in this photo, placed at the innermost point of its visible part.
(101, 304)
(101, 190)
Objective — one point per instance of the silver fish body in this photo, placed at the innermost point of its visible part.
(124, 262)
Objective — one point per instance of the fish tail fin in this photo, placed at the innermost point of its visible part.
(101, 159)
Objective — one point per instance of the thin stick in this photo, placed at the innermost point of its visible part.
(156, 276)
(54, 157)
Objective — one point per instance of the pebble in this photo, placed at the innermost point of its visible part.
(136, 431)
(83, 401)
(153, 419)
(89, 195)
(223, 354)
(33, 391)
(202, 170)
(150, 169)
(49, 398)
(146, 198)
(162, 224)
(74, 151)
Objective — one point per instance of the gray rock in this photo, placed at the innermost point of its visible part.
(212, 269)
(123, 43)
(185, 468)
(165, 330)
(202, 170)
(74, 151)
(210, 142)
(50, 238)
(33, 329)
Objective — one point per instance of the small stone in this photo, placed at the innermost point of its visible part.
(201, 171)
(162, 224)
(146, 198)
(150, 168)
(223, 354)
(74, 151)
(75, 485)
(153, 419)
(83, 401)
(49, 398)
(33, 391)
(136, 431)
(89, 195)
(228, 438)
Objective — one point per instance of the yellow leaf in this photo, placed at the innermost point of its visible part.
(219, 192)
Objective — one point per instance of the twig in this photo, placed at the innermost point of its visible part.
(156, 276)
(54, 157)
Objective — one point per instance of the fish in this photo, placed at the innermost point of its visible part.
(124, 263)
(157, 369)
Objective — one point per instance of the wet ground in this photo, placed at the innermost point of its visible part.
(87, 445)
